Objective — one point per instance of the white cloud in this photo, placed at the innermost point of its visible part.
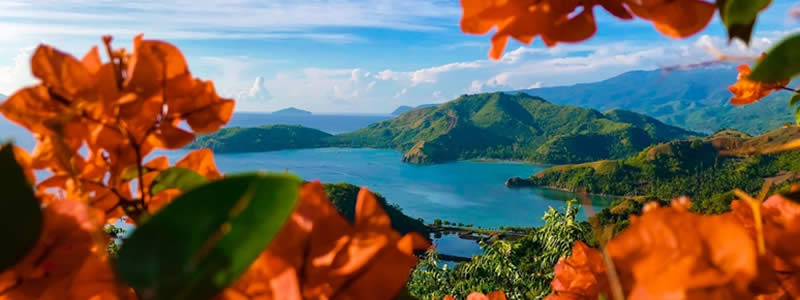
(257, 92)
(475, 87)
(17, 74)
(224, 19)
(437, 94)
(401, 93)
(430, 75)
(535, 85)
(388, 75)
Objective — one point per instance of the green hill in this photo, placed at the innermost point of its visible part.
(518, 127)
(263, 138)
(344, 195)
(706, 169)
(696, 99)
(405, 108)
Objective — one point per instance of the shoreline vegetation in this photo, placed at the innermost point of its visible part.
(705, 169)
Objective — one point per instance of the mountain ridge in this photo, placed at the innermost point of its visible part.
(405, 108)
(695, 99)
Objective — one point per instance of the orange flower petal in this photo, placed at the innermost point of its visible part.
(477, 296)
(211, 118)
(152, 63)
(60, 71)
(57, 260)
(202, 162)
(158, 163)
(91, 61)
(30, 108)
(676, 18)
(170, 137)
(369, 213)
(577, 29)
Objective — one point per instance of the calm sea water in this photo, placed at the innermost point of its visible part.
(470, 192)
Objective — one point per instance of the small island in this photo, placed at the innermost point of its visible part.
(291, 111)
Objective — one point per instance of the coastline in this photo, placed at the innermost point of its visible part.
(555, 188)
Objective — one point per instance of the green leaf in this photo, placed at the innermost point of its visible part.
(795, 99)
(797, 115)
(782, 62)
(739, 16)
(177, 178)
(206, 238)
(20, 212)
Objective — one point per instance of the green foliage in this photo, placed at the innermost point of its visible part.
(792, 102)
(739, 16)
(116, 235)
(344, 195)
(781, 63)
(522, 269)
(695, 168)
(437, 222)
(20, 214)
(177, 178)
(517, 127)
(206, 238)
(263, 138)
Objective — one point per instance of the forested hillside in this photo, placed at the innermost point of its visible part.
(705, 169)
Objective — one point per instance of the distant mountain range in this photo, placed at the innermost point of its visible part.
(696, 99)
(291, 111)
(490, 126)
(405, 108)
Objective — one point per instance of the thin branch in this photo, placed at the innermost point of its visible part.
(786, 88)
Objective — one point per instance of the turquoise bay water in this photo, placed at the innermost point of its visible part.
(467, 191)
(470, 192)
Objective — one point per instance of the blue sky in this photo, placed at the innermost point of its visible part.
(350, 56)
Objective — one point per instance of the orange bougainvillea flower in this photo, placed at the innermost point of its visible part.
(560, 21)
(320, 255)
(670, 251)
(496, 295)
(746, 91)
(581, 276)
(67, 262)
(120, 111)
(674, 18)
